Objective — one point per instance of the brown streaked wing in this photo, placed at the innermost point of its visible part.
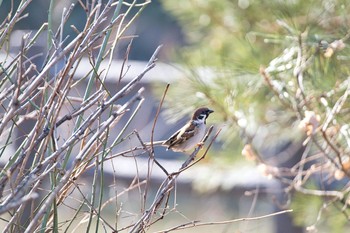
(181, 135)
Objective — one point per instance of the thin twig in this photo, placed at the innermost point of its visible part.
(197, 223)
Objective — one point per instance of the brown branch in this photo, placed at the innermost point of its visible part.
(168, 185)
(197, 223)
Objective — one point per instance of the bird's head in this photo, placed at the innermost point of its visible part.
(201, 114)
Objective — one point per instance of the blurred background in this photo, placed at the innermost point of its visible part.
(212, 53)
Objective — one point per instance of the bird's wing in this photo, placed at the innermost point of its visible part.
(181, 135)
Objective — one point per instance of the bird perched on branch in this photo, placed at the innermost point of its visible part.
(190, 134)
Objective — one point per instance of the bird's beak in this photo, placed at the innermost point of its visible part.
(210, 111)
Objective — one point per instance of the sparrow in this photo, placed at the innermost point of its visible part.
(190, 134)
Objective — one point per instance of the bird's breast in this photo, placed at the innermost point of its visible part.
(197, 137)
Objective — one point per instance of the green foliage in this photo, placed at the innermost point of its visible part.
(306, 209)
(314, 211)
(235, 39)
(274, 71)
(235, 32)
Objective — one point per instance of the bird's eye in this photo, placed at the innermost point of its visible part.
(201, 116)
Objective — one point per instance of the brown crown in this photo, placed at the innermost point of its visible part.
(199, 111)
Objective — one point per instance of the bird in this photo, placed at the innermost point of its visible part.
(190, 134)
